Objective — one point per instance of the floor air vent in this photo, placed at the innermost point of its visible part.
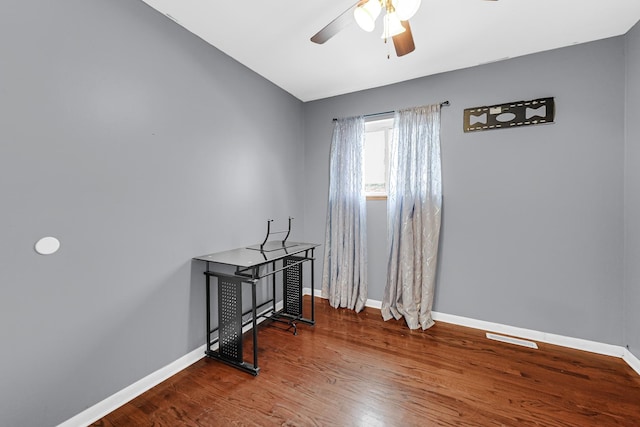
(511, 340)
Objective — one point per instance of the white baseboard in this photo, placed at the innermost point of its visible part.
(127, 394)
(560, 340)
(575, 343)
(113, 402)
(370, 302)
(374, 304)
(632, 360)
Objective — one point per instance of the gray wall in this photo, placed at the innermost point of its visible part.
(139, 146)
(632, 194)
(533, 217)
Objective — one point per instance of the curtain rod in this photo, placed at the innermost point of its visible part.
(442, 104)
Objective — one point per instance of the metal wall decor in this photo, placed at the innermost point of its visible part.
(512, 114)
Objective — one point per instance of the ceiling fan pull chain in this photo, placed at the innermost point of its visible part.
(388, 48)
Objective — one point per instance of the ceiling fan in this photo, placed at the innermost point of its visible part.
(365, 13)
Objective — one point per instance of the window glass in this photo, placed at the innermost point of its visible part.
(376, 157)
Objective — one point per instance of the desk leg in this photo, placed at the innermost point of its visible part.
(208, 331)
(273, 285)
(313, 288)
(255, 326)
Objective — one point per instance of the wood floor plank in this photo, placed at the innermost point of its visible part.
(357, 370)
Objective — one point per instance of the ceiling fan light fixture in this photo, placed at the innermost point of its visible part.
(366, 14)
(392, 26)
(406, 8)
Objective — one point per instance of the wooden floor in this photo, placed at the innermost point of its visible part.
(356, 370)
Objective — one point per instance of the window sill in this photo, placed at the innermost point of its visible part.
(377, 197)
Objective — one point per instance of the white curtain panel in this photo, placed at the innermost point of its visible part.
(414, 206)
(344, 276)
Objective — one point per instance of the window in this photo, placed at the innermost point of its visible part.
(376, 157)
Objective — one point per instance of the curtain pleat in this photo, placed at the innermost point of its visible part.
(344, 276)
(414, 204)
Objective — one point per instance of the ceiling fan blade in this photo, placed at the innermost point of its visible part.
(403, 42)
(335, 26)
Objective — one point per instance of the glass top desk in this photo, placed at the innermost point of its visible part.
(251, 265)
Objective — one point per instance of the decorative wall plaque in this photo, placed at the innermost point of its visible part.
(512, 114)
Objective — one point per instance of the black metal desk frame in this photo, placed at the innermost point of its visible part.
(248, 263)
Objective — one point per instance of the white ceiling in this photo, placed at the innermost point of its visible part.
(272, 37)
